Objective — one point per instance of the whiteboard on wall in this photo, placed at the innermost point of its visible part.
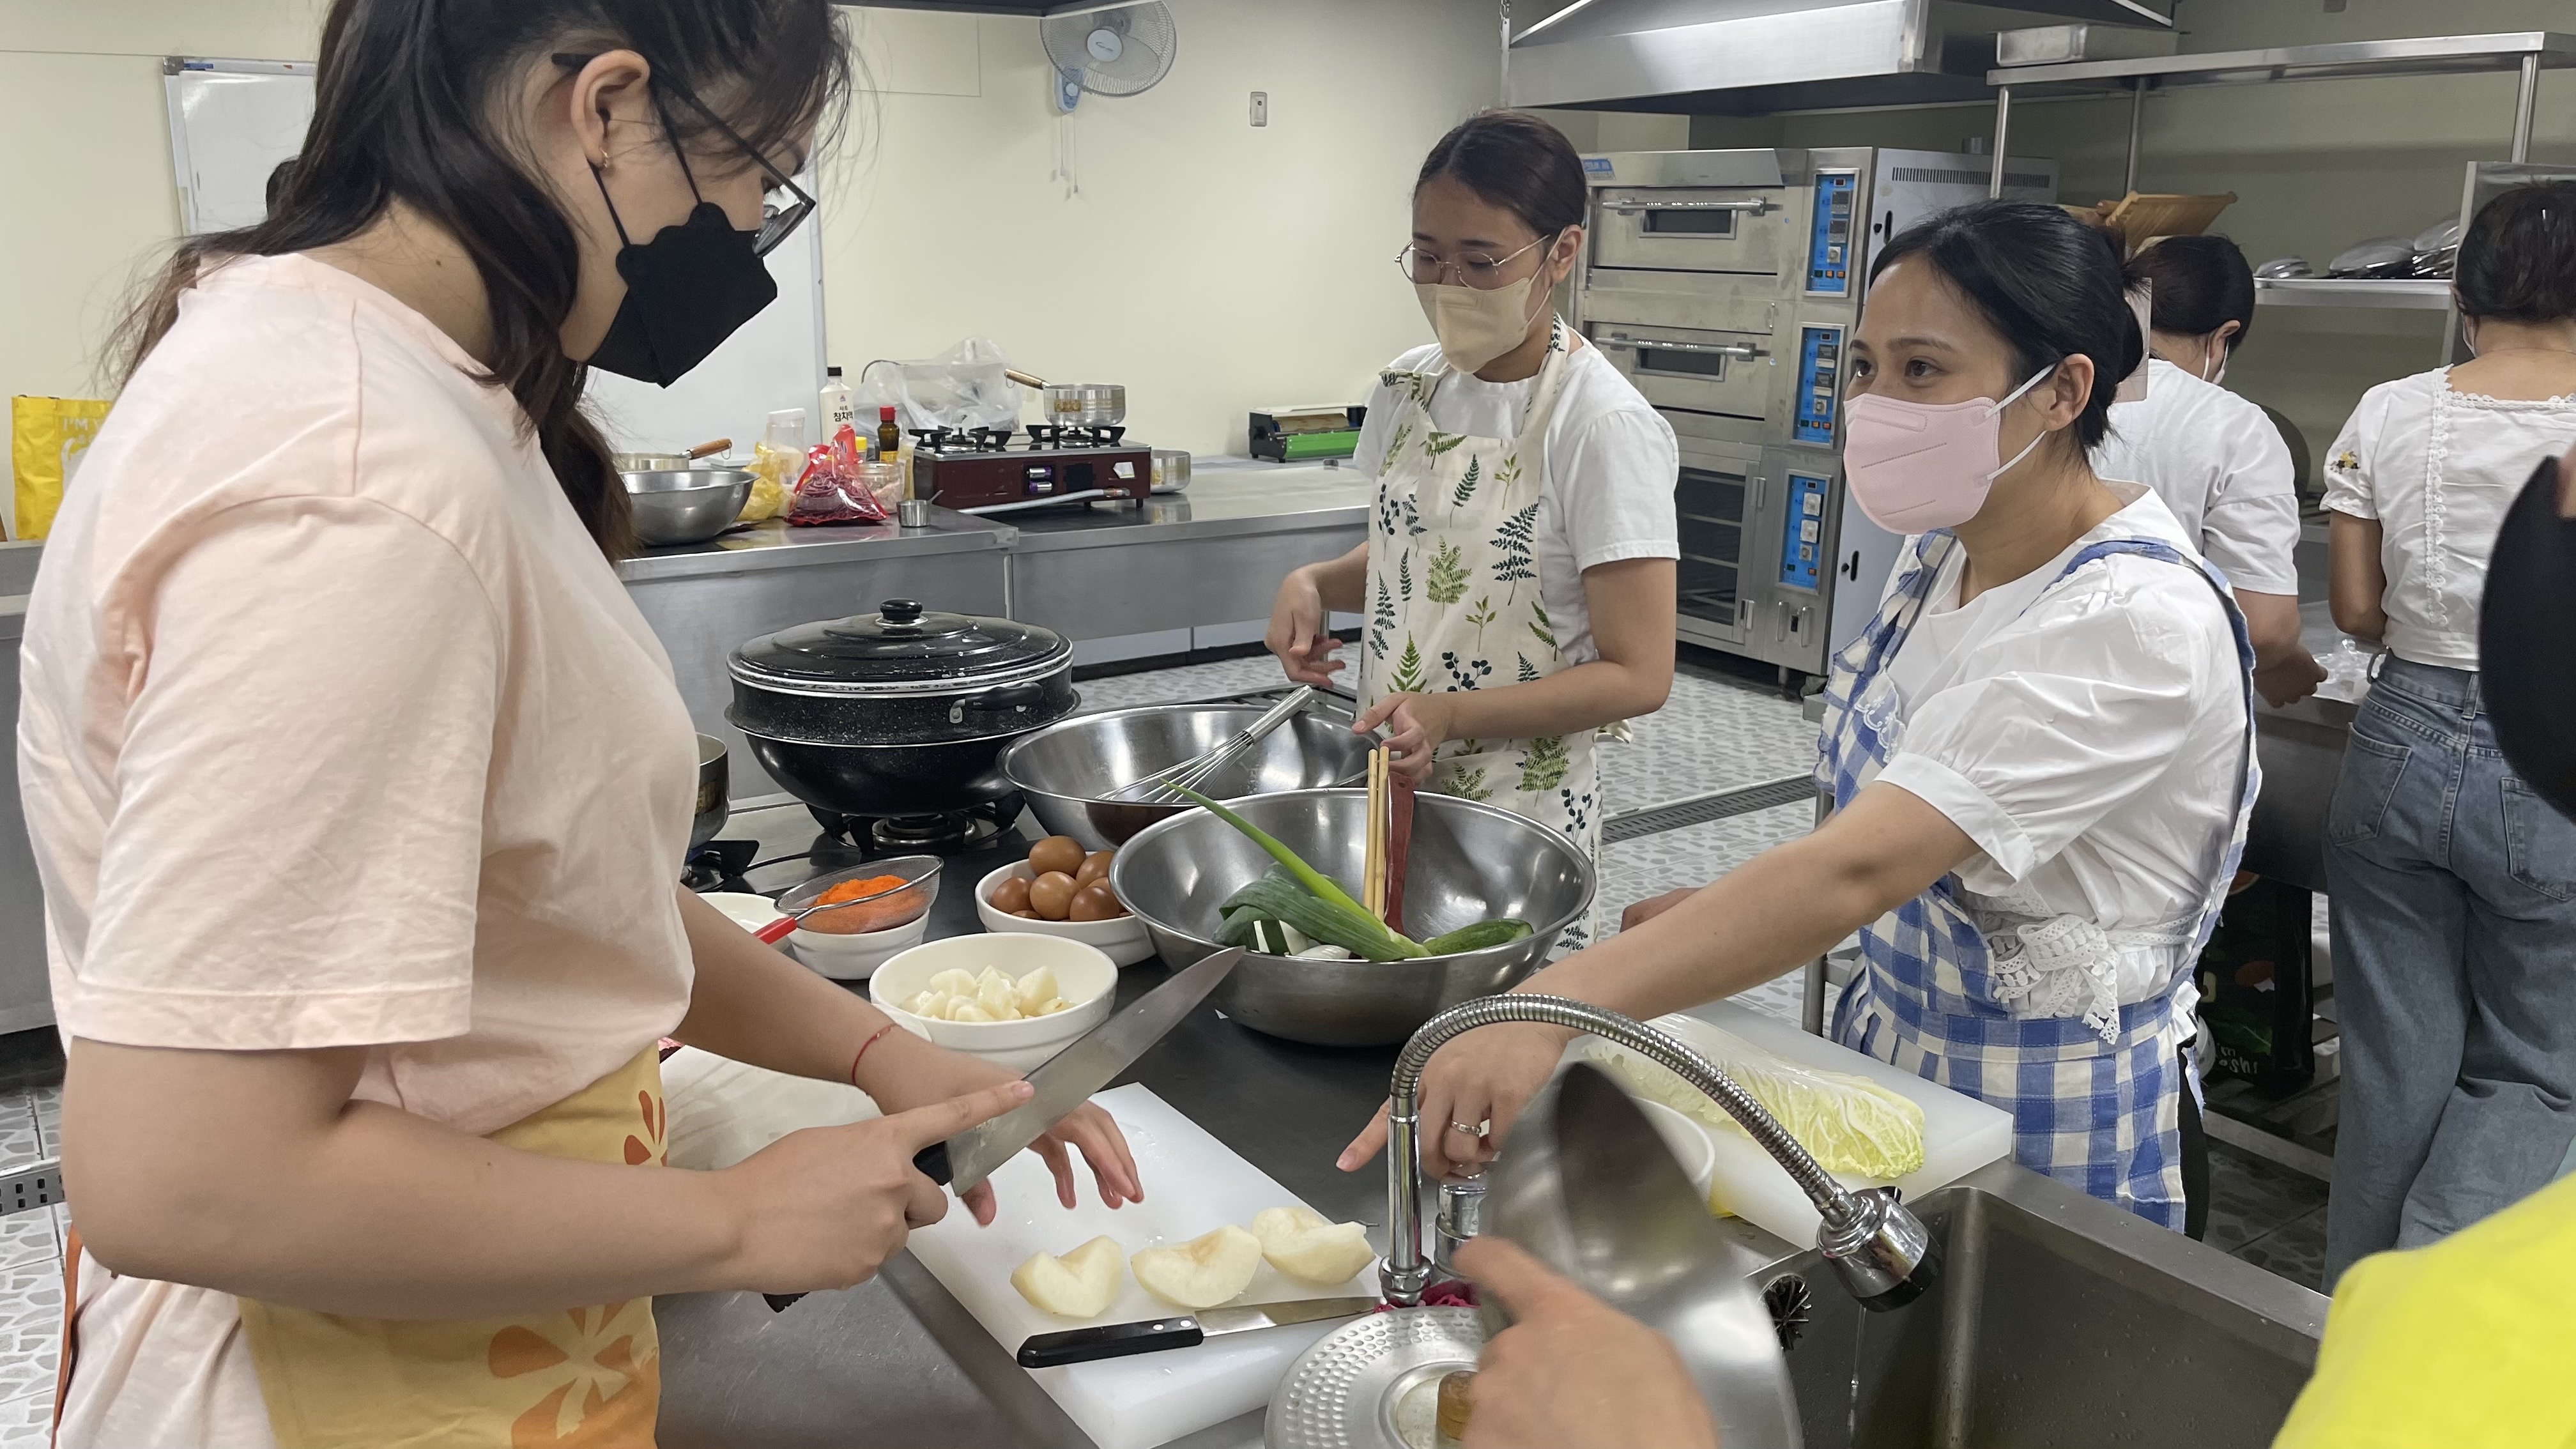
(233, 121)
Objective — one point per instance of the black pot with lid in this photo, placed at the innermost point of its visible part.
(898, 711)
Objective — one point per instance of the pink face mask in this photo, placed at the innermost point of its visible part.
(1914, 467)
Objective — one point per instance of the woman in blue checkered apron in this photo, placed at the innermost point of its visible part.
(2040, 750)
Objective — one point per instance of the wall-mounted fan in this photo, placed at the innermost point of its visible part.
(1119, 50)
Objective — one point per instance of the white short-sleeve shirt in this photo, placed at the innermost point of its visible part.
(2220, 466)
(2089, 735)
(1606, 493)
(2438, 469)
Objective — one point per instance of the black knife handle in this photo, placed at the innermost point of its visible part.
(1116, 1340)
(931, 1162)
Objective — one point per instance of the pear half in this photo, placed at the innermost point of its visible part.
(1081, 1284)
(1306, 1246)
(1203, 1272)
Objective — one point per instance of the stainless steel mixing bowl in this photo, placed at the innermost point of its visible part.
(685, 505)
(1468, 863)
(1065, 768)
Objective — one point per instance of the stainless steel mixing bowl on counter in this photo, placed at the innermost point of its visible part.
(685, 505)
(1468, 863)
(1065, 769)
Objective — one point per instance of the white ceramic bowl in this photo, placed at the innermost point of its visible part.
(1083, 976)
(1689, 1140)
(845, 956)
(1122, 940)
(744, 909)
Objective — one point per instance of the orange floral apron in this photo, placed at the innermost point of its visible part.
(588, 1377)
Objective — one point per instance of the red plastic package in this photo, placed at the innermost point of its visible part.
(830, 489)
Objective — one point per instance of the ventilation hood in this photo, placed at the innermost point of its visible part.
(1762, 57)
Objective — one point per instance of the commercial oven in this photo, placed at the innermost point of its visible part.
(1725, 285)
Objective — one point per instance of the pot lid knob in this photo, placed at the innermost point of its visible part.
(900, 611)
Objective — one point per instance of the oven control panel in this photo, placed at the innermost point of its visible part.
(1832, 249)
(1802, 537)
(1820, 383)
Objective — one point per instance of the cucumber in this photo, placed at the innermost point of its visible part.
(1482, 936)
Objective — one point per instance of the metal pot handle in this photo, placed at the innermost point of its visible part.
(1008, 699)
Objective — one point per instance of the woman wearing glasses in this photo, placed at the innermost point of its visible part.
(358, 784)
(1518, 574)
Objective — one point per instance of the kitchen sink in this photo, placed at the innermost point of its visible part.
(2057, 1321)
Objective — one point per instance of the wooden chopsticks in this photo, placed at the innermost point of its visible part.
(1373, 867)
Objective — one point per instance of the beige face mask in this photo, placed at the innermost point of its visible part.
(1476, 327)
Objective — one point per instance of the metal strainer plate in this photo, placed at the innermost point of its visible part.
(1350, 1390)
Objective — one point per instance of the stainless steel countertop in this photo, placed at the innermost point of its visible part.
(1226, 497)
(774, 545)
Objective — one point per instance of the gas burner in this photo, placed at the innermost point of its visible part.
(951, 832)
(988, 440)
(938, 440)
(718, 865)
(1047, 436)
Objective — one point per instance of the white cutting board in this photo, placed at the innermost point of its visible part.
(1193, 1183)
(1960, 1133)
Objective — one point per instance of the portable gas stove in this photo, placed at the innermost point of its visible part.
(976, 470)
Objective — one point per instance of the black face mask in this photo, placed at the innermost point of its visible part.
(2527, 640)
(687, 290)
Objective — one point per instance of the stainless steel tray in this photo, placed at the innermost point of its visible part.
(1373, 1383)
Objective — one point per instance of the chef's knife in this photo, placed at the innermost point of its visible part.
(1118, 1340)
(1066, 1081)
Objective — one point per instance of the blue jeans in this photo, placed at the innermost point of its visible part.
(2454, 925)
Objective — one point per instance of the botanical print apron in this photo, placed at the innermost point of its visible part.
(590, 1377)
(1454, 603)
(2013, 1008)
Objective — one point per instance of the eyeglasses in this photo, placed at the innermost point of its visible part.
(1472, 269)
(784, 205)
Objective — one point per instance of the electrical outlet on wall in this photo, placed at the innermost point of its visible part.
(1261, 108)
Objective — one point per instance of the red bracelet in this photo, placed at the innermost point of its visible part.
(872, 1040)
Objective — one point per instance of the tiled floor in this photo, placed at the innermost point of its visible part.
(31, 1251)
(1717, 731)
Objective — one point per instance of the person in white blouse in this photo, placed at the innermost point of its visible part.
(2453, 883)
(2040, 750)
(2216, 459)
(1518, 577)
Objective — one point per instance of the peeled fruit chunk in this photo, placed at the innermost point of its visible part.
(1081, 1284)
(1310, 1248)
(1037, 989)
(1203, 1272)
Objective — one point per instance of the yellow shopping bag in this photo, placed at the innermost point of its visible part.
(47, 435)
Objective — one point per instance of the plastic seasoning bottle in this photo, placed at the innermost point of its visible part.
(836, 405)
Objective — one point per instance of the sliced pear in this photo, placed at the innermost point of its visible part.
(1310, 1248)
(1203, 1272)
(1081, 1284)
(1036, 989)
(955, 981)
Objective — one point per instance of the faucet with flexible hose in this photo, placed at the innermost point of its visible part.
(1882, 1252)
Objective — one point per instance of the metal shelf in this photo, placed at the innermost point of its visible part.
(2343, 60)
(2414, 294)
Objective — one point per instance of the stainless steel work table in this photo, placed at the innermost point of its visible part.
(897, 1362)
(1184, 561)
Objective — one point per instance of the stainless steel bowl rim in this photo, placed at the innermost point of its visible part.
(693, 480)
(1582, 862)
(1097, 717)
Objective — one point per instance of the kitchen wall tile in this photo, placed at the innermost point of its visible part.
(31, 1311)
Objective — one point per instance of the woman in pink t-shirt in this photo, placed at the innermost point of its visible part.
(356, 781)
